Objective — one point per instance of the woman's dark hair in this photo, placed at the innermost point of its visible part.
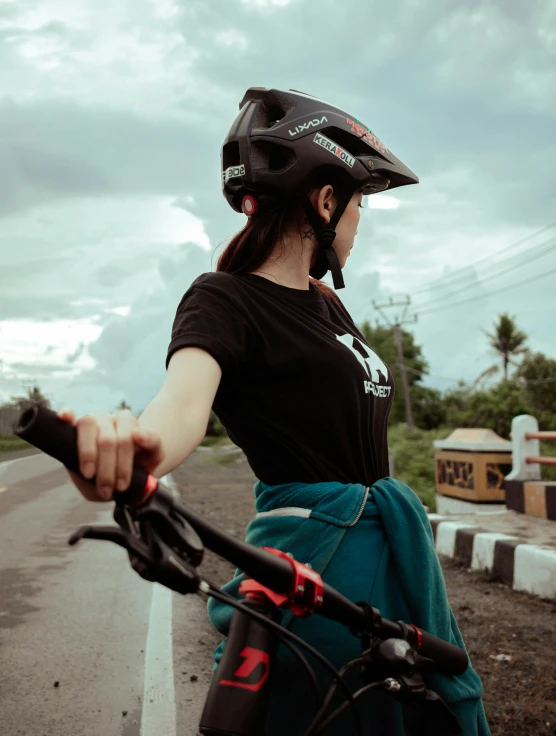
(252, 246)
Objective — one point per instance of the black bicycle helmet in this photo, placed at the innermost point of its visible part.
(281, 140)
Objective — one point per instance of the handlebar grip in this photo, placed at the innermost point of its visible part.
(449, 658)
(42, 428)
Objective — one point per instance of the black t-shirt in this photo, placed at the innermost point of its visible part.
(301, 392)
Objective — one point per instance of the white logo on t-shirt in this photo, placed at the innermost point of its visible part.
(372, 364)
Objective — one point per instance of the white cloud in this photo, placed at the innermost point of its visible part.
(382, 202)
(110, 197)
(44, 347)
(268, 3)
(125, 55)
(121, 311)
(233, 38)
(85, 281)
(120, 226)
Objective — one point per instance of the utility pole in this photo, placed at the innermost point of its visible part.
(398, 337)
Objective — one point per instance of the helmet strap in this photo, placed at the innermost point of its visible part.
(327, 260)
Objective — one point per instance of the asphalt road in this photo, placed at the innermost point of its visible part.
(86, 645)
(133, 658)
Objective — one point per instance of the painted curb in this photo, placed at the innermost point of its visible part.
(524, 567)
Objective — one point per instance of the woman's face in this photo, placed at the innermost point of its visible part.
(346, 229)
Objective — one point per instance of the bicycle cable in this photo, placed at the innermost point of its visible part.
(230, 600)
(329, 695)
(308, 668)
(341, 708)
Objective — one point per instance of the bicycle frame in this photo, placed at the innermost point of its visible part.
(237, 701)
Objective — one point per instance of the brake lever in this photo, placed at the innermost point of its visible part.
(162, 547)
(401, 667)
(112, 534)
(393, 655)
(123, 518)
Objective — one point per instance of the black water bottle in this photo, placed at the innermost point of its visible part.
(237, 702)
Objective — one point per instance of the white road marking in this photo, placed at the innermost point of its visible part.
(3, 489)
(159, 698)
(5, 463)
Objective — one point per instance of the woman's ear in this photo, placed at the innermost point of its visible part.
(324, 203)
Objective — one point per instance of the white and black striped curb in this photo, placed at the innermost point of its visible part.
(526, 567)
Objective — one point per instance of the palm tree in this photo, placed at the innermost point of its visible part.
(123, 405)
(507, 341)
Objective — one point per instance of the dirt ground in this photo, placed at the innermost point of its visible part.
(519, 692)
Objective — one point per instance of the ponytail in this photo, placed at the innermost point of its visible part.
(255, 243)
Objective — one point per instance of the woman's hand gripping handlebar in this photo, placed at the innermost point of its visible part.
(179, 547)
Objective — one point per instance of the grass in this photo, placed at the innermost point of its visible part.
(225, 458)
(216, 441)
(11, 443)
(413, 450)
(218, 458)
(548, 449)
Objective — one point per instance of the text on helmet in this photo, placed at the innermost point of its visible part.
(367, 135)
(325, 142)
(307, 125)
(232, 172)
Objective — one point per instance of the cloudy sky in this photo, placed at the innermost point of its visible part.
(111, 122)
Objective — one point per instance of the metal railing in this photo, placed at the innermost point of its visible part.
(526, 453)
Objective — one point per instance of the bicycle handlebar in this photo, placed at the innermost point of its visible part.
(42, 428)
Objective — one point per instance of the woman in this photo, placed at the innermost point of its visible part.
(301, 392)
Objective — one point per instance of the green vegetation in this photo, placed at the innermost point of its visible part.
(381, 339)
(413, 450)
(215, 427)
(10, 411)
(506, 341)
(11, 443)
(226, 458)
(531, 389)
(216, 441)
(548, 449)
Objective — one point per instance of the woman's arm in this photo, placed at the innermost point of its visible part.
(180, 412)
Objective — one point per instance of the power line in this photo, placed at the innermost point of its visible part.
(523, 259)
(454, 275)
(428, 375)
(519, 259)
(490, 293)
(444, 378)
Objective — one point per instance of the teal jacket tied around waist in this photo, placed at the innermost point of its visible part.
(376, 544)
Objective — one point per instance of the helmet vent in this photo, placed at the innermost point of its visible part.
(271, 156)
(275, 114)
(350, 143)
(266, 115)
(230, 155)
